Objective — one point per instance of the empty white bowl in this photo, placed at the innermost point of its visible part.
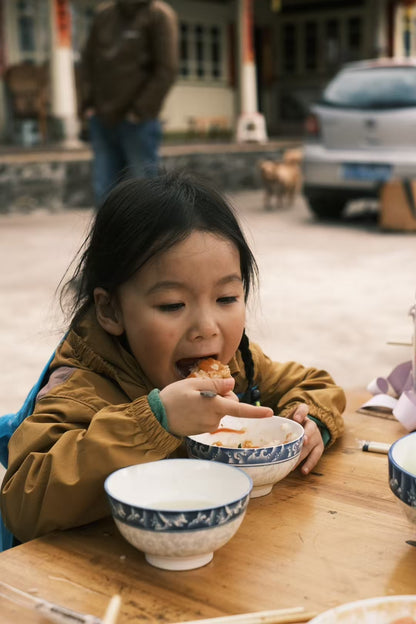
(383, 610)
(178, 511)
(279, 440)
(402, 473)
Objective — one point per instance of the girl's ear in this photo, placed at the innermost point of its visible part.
(108, 312)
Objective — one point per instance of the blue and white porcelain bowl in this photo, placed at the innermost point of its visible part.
(380, 610)
(178, 511)
(278, 440)
(402, 473)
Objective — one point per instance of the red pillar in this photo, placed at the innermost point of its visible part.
(64, 108)
(251, 124)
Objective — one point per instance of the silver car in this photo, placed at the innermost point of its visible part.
(361, 134)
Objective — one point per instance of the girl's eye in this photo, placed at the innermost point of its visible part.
(227, 300)
(170, 307)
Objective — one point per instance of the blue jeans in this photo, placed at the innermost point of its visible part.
(125, 150)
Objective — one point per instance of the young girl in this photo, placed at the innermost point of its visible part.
(162, 281)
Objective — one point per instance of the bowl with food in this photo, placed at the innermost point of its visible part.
(402, 473)
(267, 449)
(385, 610)
(178, 512)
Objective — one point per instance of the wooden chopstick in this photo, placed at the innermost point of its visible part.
(274, 616)
(111, 613)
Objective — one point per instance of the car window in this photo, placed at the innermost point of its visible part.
(385, 87)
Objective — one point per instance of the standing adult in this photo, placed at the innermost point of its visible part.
(129, 64)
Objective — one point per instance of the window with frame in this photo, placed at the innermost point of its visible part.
(311, 45)
(333, 43)
(289, 48)
(32, 39)
(26, 11)
(354, 38)
(201, 52)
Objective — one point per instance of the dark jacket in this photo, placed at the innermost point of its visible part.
(94, 417)
(129, 65)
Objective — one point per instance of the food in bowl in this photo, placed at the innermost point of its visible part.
(241, 440)
(402, 473)
(382, 610)
(267, 449)
(178, 511)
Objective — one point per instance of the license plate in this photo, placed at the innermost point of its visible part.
(366, 172)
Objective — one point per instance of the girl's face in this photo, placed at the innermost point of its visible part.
(184, 304)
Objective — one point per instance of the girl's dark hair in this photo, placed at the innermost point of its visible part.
(141, 218)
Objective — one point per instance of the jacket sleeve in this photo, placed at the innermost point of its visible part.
(85, 74)
(60, 457)
(285, 385)
(165, 63)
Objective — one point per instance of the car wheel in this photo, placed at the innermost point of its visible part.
(326, 205)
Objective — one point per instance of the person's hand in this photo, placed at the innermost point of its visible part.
(133, 117)
(313, 446)
(190, 413)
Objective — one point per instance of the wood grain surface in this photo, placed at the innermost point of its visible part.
(335, 536)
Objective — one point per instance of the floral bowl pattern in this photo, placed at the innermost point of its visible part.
(278, 443)
(178, 511)
(402, 473)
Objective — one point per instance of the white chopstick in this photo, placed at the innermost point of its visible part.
(375, 447)
(113, 608)
(275, 616)
(49, 610)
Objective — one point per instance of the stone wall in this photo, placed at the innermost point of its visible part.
(56, 180)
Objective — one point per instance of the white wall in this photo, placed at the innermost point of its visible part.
(186, 101)
(196, 98)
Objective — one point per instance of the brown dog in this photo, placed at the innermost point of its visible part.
(293, 155)
(281, 179)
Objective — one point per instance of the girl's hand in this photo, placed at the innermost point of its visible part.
(313, 446)
(189, 413)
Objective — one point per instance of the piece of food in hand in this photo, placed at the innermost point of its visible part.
(211, 368)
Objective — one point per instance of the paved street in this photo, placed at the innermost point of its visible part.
(330, 295)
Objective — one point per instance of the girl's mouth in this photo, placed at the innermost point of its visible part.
(185, 365)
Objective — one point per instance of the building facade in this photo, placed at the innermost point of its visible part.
(298, 45)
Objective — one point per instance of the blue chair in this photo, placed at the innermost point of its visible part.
(8, 425)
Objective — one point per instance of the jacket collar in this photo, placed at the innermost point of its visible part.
(89, 346)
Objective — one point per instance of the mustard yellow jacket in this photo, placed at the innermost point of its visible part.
(93, 417)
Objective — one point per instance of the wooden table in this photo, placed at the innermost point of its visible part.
(335, 536)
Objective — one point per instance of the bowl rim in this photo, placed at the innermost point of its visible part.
(188, 509)
(195, 437)
(394, 462)
(347, 606)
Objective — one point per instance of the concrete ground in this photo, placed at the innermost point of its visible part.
(331, 295)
